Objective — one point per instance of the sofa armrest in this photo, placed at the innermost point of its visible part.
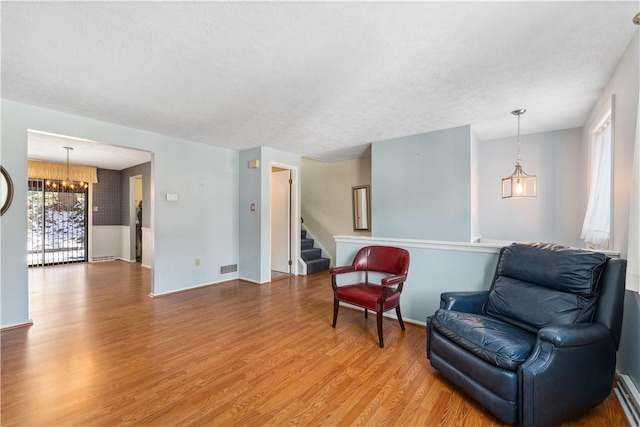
(467, 302)
(570, 370)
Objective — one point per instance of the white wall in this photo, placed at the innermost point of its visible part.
(421, 186)
(109, 240)
(113, 240)
(202, 224)
(147, 248)
(556, 214)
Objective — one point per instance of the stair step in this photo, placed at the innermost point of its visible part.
(306, 244)
(303, 234)
(310, 254)
(317, 265)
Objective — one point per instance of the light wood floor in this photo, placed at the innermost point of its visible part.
(102, 352)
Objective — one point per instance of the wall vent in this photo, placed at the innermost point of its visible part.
(103, 258)
(228, 268)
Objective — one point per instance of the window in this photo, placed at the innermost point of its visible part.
(57, 223)
(596, 229)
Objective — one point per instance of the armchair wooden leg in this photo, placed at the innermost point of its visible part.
(336, 304)
(400, 317)
(380, 338)
(366, 313)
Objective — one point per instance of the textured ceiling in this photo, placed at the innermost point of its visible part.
(51, 147)
(319, 79)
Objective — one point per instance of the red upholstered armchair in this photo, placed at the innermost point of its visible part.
(371, 296)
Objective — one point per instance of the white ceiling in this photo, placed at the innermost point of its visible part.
(51, 147)
(315, 78)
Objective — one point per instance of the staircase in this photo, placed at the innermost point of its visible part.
(312, 256)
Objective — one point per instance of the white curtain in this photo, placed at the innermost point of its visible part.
(633, 251)
(597, 221)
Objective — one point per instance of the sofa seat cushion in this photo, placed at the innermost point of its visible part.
(497, 342)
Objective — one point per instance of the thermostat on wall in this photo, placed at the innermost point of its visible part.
(172, 197)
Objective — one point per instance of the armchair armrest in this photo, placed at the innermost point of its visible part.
(570, 370)
(393, 280)
(341, 270)
(573, 335)
(467, 302)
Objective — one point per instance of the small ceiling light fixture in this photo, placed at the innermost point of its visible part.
(68, 184)
(636, 19)
(519, 184)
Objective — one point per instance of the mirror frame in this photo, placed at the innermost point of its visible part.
(7, 196)
(359, 208)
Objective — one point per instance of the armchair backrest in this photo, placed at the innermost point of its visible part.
(537, 285)
(382, 259)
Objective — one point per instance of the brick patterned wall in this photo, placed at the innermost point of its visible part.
(106, 197)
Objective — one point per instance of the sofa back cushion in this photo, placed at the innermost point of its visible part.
(537, 285)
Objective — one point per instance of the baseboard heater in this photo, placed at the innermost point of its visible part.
(103, 258)
(629, 398)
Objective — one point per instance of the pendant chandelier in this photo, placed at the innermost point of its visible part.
(519, 184)
(67, 184)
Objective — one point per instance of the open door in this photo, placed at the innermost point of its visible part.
(281, 221)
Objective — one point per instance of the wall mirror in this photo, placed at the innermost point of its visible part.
(6, 192)
(361, 208)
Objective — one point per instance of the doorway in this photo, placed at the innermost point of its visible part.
(281, 247)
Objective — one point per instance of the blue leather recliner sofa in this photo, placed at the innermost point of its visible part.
(540, 346)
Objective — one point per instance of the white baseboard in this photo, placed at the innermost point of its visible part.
(629, 398)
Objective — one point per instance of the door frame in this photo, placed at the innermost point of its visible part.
(294, 224)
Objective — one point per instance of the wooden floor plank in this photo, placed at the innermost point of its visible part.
(102, 352)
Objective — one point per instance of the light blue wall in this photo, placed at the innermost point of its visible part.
(250, 221)
(202, 224)
(255, 227)
(420, 186)
(556, 214)
(433, 269)
(475, 232)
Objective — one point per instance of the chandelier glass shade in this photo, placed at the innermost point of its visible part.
(519, 183)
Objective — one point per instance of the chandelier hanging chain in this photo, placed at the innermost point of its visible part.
(519, 157)
(69, 148)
